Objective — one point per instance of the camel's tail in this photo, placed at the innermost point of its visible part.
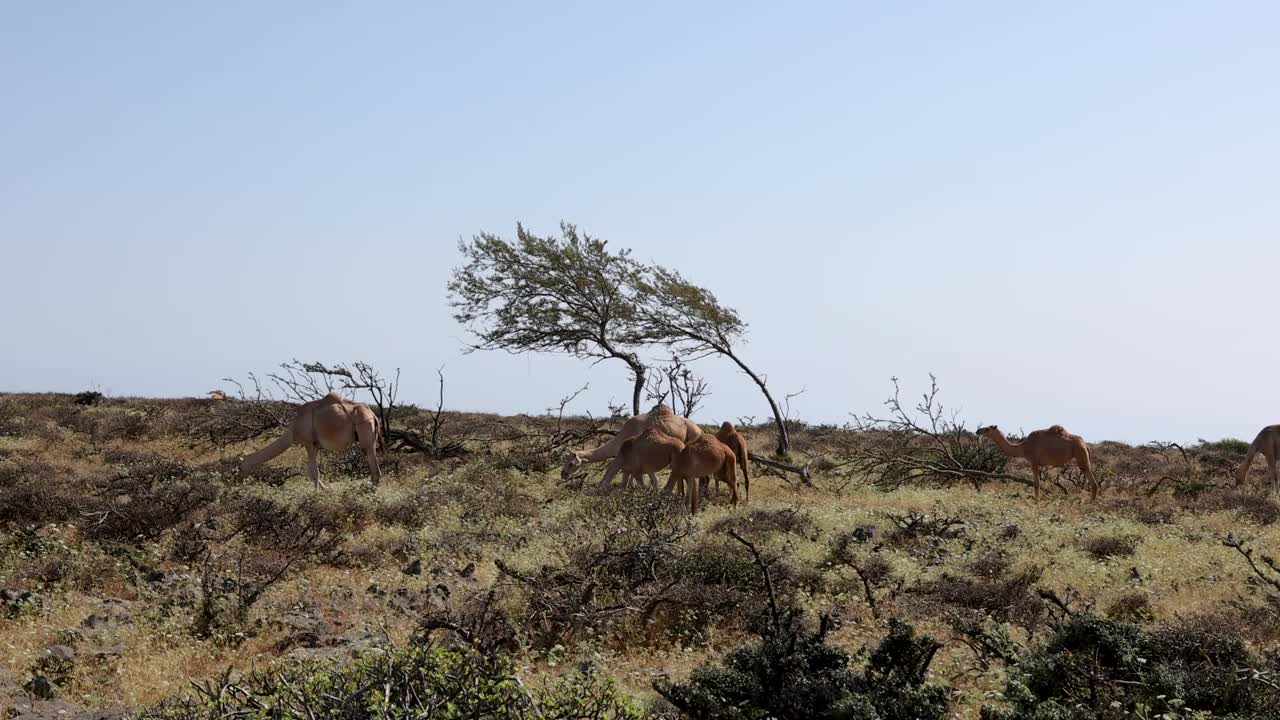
(741, 453)
(1254, 448)
(251, 463)
(380, 441)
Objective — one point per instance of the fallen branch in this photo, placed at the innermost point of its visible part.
(802, 471)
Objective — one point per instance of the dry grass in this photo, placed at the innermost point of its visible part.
(1137, 553)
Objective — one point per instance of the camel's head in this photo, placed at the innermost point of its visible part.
(727, 426)
(987, 431)
(572, 462)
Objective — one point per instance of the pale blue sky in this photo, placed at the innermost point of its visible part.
(1067, 211)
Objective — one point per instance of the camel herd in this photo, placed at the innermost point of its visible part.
(660, 439)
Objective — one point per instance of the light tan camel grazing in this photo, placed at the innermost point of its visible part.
(1051, 447)
(330, 423)
(702, 459)
(661, 417)
(644, 455)
(216, 395)
(1268, 443)
(730, 436)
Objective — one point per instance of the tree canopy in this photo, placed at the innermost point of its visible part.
(568, 294)
(573, 294)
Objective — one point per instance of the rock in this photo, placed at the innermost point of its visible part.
(61, 653)
(42, 687)
(14, 597)
(110, 613)
(102, 652)
(413, 568)
(102, 715)
(47, 710)
(863, 534)
(469, 571)
(304, 631)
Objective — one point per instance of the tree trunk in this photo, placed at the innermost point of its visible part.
(638, 369)
(784, 440)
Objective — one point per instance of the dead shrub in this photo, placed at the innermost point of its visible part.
(1105, 547)
(260, 544)
(226, 422)
(626, 574)
(33, 493)
(915, 526)
(413, 511)
(792, 521)
(1001, 594)
(1261, 509)
(118, 423)
(874, 573)
(1132, 607)
(145, 496)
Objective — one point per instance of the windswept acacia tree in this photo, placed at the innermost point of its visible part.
(567, 294)
(677, 313)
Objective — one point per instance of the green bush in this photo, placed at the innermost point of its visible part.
(795, 674)
(413, 682)
(1094, 668)
(1229, 445)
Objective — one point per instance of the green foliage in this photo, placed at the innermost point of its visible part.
(88, 397)
(794, 673)
(568, 294)
(1097, 669)
(420, 681)
(677, 312)
(1227, 445)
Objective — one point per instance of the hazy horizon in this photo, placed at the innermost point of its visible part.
(1064, 212)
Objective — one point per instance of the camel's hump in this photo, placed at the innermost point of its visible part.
(1057, 429)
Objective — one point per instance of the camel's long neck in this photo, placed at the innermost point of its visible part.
(1005, 446)
(604, 452)
(251, 462)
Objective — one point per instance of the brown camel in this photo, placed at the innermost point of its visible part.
(1268, 443)
(331, 423)
(1052, 447)
(644, 455)
(730, 436)
(700, 460)
(661, 417)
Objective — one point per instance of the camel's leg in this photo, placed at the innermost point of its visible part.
(653, 480)
(1035, 470)
(693, 495)
(614, 466)
(368, 436)
(730, 474)
(1086, 468)
(1271, 465)
(313, 467)
(673, 483)
(1254, 449)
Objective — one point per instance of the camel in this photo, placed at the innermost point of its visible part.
(661, 417)
(730, 436)
(216, 395)
(644, 455)
(700, 460)
(1052, 447)
(330, 423)
(1268, 443)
